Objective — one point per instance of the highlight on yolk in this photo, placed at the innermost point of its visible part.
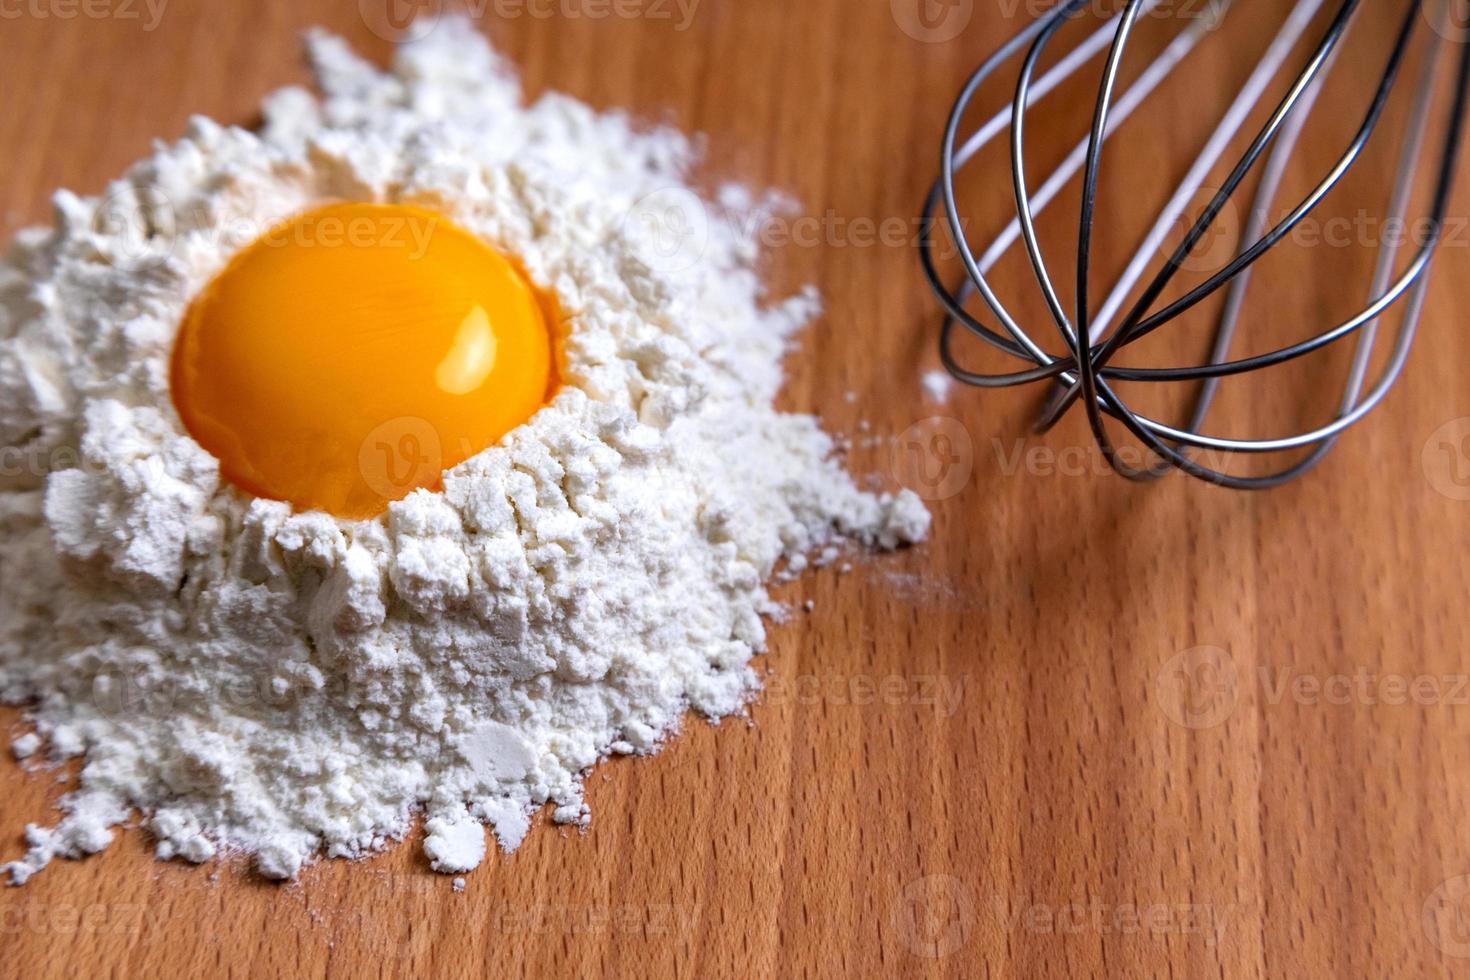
(354, 352)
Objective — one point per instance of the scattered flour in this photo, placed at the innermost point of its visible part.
(937, 385)
(291, 685)
(25, 746)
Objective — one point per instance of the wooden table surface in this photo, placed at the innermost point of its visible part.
(1091, 729)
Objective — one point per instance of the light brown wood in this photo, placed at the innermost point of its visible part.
(1108, 736)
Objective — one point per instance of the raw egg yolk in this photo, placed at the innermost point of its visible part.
(354, 352)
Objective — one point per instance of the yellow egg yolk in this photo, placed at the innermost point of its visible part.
(355, 352)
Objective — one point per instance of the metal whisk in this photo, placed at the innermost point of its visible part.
(1093, 336)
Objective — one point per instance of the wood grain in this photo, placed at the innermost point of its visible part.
(1090, 730)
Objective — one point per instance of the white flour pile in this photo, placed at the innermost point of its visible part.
(291, 685)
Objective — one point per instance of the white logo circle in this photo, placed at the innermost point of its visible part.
(1220, 241)
(1199, 688)
(135, 229)
(400, 21)
(673, 226)
(934, 916)
(1446, 917)
(932, 21)
(1450, 19)
(399, 456)
(934, 458)
(1446, 459)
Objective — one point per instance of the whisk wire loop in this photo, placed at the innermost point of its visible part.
(1085, 372)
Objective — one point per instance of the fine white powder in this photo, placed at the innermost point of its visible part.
(291, 685)
(937, 385)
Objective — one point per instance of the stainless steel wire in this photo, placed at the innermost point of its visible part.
(1091, 338)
